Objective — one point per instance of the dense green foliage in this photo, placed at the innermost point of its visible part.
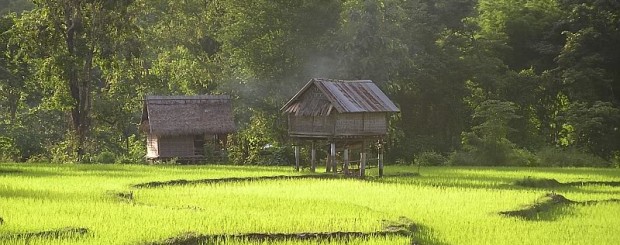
(72, 73)
(456, 205)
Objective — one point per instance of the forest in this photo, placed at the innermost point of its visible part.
(478, 82)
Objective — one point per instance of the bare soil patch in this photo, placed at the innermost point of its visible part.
(540, 209)
(537, 182)
(543, 204)
(402, 227)
(550, 183)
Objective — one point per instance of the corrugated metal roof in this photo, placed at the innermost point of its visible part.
(348, 96)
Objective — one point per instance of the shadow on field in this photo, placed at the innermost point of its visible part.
(42, 173)
(550, 207)
(576, 186)
(500, 183)
(260, 178)
(68, 232)
(473, 182)
(28, 193)
(602, 172)
(9, 171)
(403, 227)
(29, 173)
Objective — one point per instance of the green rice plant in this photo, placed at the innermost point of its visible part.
(447, 205)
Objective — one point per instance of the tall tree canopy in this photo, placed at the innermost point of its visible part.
(553, 64)
(75, 49)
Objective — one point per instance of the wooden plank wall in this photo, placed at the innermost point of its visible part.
(151, 146)
(339, 124)
(176, 146)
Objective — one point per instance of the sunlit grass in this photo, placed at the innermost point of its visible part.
(450, 205)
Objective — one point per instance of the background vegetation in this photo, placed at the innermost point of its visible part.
(520, 82)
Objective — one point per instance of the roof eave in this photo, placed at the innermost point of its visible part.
(296, 96)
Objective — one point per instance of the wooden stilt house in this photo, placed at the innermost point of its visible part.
(347, 112)
(179, 126)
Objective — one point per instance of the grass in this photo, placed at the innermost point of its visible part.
(446, 205)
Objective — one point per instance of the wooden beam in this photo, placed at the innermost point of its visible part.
(333, 158)
(297, 158)
(363, 161)
(380, 158)
(345, 170)
(313, 159)
(328, 164)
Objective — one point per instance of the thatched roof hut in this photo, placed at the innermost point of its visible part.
(178, 126)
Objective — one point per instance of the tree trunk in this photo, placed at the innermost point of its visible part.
(78, 81)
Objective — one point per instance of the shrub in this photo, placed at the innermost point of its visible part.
(460, 158)
(522, 157)
(130, 159)
(171, 161)
(8, 151)
(430, 158)
(105, 157)
(571, 157)
(275, 155)
(63, 152)
(501, 157)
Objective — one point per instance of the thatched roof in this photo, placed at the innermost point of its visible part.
(320, 96)
(188, 115)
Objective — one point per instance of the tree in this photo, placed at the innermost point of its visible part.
(405, 48)
(17, 6)
(594, 127)
(589, 59)
(488, 143)
(11, 71)
(68, 41)
(266, 50)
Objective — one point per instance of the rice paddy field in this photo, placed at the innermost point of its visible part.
(214, 204)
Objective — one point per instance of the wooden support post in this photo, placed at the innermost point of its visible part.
(380, 158)
(345, 170)
(333, 158)
(328, 164)
(313, 159)
(297, 158)
(363, 161)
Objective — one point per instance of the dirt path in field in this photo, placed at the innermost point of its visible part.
(549, 183)
(404, 227)
(260, 178)
(540, 209)
(51, 234)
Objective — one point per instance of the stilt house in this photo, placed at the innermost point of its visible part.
(179, 126)
(347, 112)
(326, 108)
